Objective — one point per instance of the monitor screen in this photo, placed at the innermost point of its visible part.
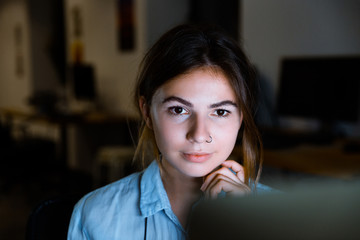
(321, 88)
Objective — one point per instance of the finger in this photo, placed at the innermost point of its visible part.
(215, 188)
(219, 181)
(216, 179)
(232, 164)
(222, 183)
(222, 171)
(236, 167)
(229, 188)
(227, 185)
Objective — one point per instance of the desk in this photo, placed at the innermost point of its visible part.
(88, 120)
(328, 160)
(321, 160)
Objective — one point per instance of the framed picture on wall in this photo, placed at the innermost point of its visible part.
(126, 25)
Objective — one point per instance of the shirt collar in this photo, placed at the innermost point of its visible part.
(153, 197)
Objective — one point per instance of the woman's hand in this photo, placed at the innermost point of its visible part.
(225, 180)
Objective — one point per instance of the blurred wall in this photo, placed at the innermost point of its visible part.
(46, 45)
(26, 35)
(278, 28)
(116, 70)
(161, 15)
(270, 30)
(15, 67)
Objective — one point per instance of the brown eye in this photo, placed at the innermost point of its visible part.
(222, 113)
(178, 110)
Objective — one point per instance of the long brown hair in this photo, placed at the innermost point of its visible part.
(187, 47)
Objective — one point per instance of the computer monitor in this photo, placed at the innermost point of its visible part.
(320, 88)
(323, 211)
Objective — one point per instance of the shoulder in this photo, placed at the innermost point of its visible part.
(99, 214)
(111, 196)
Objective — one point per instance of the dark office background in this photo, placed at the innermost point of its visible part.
(48, 48)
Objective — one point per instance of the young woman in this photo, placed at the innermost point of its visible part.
(195, 93)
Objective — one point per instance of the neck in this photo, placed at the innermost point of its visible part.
(183, 191)
(181, 186)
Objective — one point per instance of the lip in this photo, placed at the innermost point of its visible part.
(197, 157)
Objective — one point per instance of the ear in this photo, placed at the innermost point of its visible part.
(145, 111)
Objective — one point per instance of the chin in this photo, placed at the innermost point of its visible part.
(198, 171)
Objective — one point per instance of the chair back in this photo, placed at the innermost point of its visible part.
(51, 218)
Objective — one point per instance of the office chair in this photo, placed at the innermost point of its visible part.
(51, 218)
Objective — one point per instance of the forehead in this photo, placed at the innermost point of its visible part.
(209, 82)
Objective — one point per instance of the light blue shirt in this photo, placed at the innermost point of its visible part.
(120, 209)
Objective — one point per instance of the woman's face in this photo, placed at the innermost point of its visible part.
(195, 119)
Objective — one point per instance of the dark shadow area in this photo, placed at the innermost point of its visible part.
(30, 174)
(222, 13)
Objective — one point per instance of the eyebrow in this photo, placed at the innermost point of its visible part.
(189, 104)
(223, 103)
(178, 99)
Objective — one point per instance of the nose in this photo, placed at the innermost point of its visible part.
(198, 130)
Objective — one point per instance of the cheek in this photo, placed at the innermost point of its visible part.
(167, 134)
(226, 136)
